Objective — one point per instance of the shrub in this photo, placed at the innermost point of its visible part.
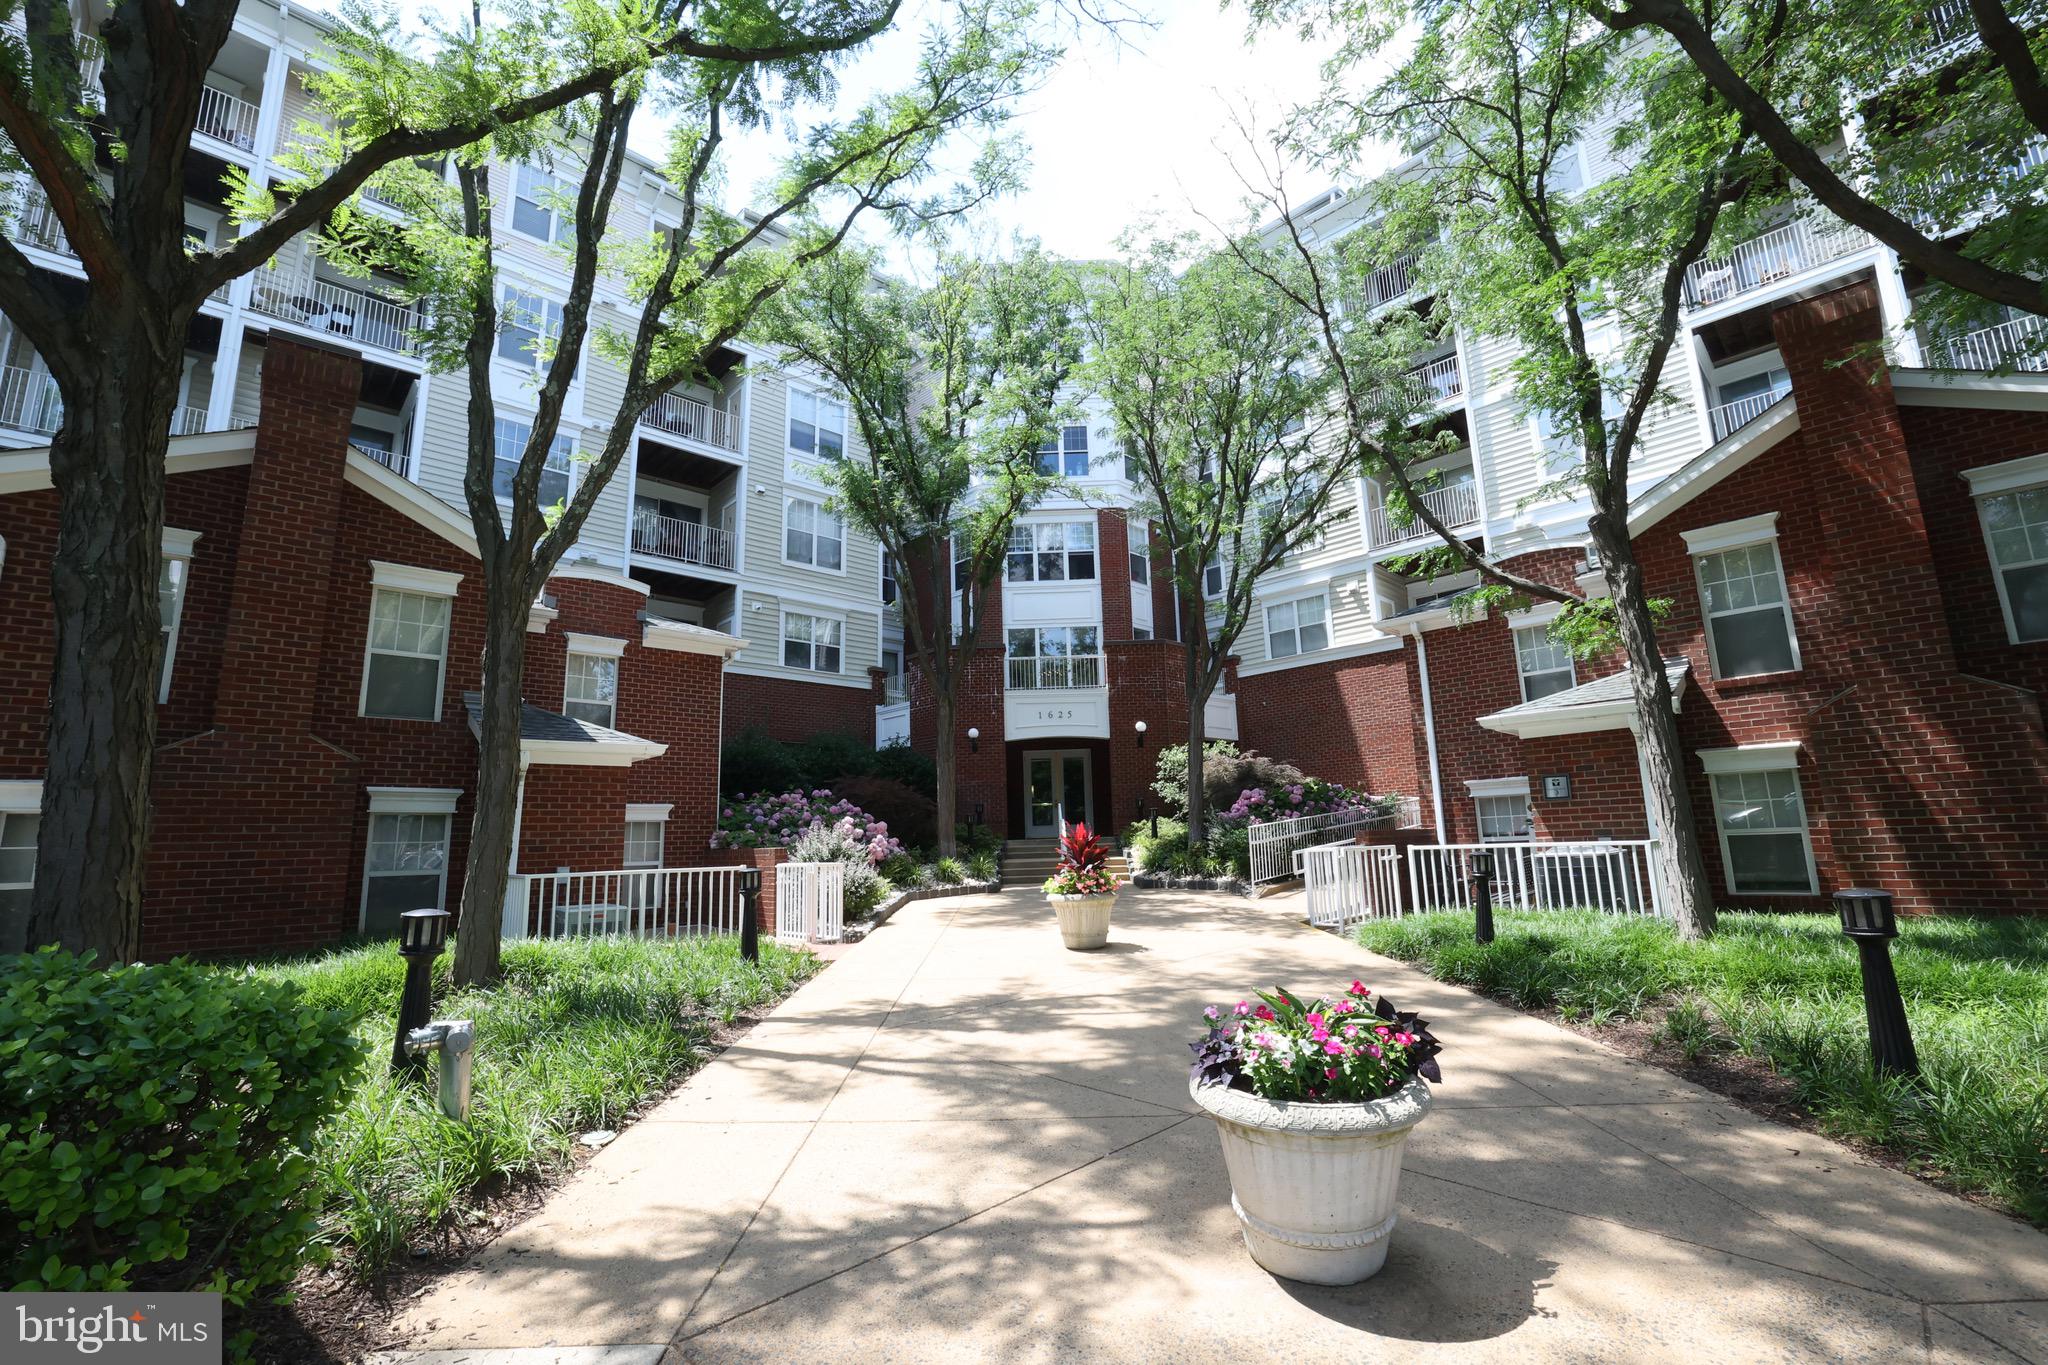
(912, 817)
(1226, 771)
(977, 838)
(827, 759)
(768, 821)
(752, 761)
(1083, 867)
(896, 761)
(983, 867)
(1230, 848)
(755, 761)
(900, 869)
(865, 887)
(949, 872)
(153, 1125)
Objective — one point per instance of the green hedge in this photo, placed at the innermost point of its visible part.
(154, 1122)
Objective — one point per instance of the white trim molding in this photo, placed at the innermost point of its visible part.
(649, 811)
(1496, 786)
(539, 617)
(1385, 644)
(1752, 758)
(575, 753)
(413, 800)
(178, 544)
(1727, 535)
(406, 578)
(1712, 465)
(685, 638)
(409, 500)
(2025, 472)
(21, 798)
(602, 646)
(598, 573)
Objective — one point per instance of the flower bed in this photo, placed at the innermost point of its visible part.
(780, 819)
(1344, 1052)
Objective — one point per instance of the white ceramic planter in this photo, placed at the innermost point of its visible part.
(1084, 920)
(1315, 1186)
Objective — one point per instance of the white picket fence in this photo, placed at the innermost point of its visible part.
(810, 902)
(1275, 842)
(1615, 875)
(1345, 883)
(664, 902)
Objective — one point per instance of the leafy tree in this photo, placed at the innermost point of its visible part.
(954, 387)
(1222, 411)
(1586, 282)
(697, 287)
(112, 157)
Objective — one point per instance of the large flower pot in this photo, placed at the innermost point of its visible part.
(1315, 1185)
(1084, 920)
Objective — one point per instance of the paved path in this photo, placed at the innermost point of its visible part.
(962, 1143)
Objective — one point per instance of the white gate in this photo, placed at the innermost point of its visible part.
(810, 902)
(1345, 883)
(1615, 875)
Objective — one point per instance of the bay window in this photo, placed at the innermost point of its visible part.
(1052, 552)
(1055, 656)
(1065, 452)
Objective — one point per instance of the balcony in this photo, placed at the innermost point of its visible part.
(228, 119)
(1061, 671)
(29, 401)
(1730, 417)
(1456, 505)
(1390, 282)
(1761, 262)
(681, 415)
(1950, 180)
(31, 221)
(343, 310)
(2016, 344)
(684, 542)
(1430, 384)
(188, 420)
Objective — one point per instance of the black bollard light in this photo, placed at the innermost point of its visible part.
(1482, 895)
(750, 914)
(1867, 918)
(422, 934)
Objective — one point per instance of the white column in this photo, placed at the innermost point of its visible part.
(1897, 309)
(227, 365)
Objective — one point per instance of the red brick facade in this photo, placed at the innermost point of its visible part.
(789, 709)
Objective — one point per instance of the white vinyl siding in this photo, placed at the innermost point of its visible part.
(1301, 626)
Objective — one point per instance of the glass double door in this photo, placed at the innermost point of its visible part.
(1057, 790)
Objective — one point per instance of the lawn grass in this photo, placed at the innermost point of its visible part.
(576, 1034)
(1787, 988)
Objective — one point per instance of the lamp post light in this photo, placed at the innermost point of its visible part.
(1482, 895)
(750, 914)
(973, 739)
(1867, 918)
(1141, 734)
(421, 936)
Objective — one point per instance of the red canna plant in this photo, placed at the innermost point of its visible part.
(1084, 865)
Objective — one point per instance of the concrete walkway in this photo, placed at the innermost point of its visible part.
(962, 1143)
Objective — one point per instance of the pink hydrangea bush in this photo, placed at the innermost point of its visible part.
(1347, 1051)
(780, 819)
(1310, 796)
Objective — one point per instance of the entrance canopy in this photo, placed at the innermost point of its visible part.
(1602, 704)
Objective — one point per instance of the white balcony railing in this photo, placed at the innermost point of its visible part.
(392, 460)
(1455, 505)
(227, 118)
(1740, 413)
(1442, 379)
(188, 420)
(30, 219)
(1762, 261)
(1391, 281)
(2016, 344)
(686, 542)
(1073, 670)
(29, 401)
(324, 306)
(692, 417)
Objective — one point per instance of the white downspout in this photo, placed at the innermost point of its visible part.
(1436, 780)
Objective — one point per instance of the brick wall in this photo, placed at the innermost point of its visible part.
(1113, 566)
(1145, 683)
(981, 774)
(1357, 721)
(789, 709)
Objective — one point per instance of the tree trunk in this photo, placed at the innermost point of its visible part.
(491, 832)
(1679, 865)
(948, 761)
(1198, 743)
(107, 466)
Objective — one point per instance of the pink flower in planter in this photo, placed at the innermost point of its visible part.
(1263, 1012)
(1334, 1048)
(1242, 1008)
(1358, 988)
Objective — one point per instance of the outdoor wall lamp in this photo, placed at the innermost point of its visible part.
(1482, 895)
(1868, 919)
(973, 740)
(421, 936)
(1141, 734)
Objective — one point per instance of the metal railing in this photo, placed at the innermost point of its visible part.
(188, 420)
(227, 118)
(392, 460)
(1762, 261)
(1733, 416)
(2017, 343)
(1275, 842)
(686, 542)
(810, 902)
(1391, 281)
(664, 902)
(1073, 670)
(29, 401)
(1345, 883)
(1615, 875)
(1454, 504)
(1442, 379)
(324, 306)
(30, 219)
(693, 417)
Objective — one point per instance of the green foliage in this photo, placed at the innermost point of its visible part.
(899, 869)
(1787, 988)
(977, 838)
(1167, 852)
(912, 818)
(949, 871)
(154, 1122)
(982, 866)
(865, 886)
(753, 761)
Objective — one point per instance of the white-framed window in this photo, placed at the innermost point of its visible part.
(1141, 632)
(171, 582)
(1760, 814)
(1545, 665)
(405, 659)
(961, 564)
(20, 826)
(646, 834)
(1568, 170)
(817, 424)
(2016, 537)
(813, 536)
(810, 642)
(1055, 656)
(1212, 579)
(1065, 452)
(889, 588)
(1502, 806)
(538, 203)
(1743, 599)
(1052, 552)
(509, 437)
(590, 684)
(1141, 553)
(892, 674)
(1301, 626)
(529, 327)
(405, 866)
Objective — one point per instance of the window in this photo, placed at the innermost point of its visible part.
(1502, 817)
(2016, 531)
(1567, 171)
(1212, 579)
(1749, 623)
(646, 828)
(888, 578)
(406, 867)
(536, 196)
(510, 438)
(1065, 453)
(1545, 665)
(170, 600)
(1141, 553)
(529, 327)
(892, 674)
(810, 642)
(1055, 656)
(1761, 816)
(407, 653)
(1298, 627)
(20, 824)
(962, 565)
(811, 535)
(1052, 552)
(817, 424)
(590, 693)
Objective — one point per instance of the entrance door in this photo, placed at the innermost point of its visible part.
(1057, 791)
